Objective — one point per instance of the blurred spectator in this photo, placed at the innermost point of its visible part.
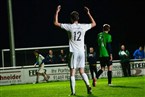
(124, 56)
(139, 53)
(92, 58)
(62, 57)
(50, 58)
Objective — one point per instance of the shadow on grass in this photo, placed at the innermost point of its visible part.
(90, 95)
(125, 87)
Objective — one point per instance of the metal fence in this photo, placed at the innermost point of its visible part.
(25, 56)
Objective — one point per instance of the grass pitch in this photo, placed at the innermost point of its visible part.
(122, 87)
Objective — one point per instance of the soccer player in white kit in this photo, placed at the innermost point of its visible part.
(76, 33)
(40, 62)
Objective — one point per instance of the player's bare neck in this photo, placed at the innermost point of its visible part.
(106, 31)
(75, 22)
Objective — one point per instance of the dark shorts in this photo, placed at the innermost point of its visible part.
(105, 61)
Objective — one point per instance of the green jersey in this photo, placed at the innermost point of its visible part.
(103, 39)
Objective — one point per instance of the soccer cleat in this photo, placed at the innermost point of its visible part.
(72, 94)
(89, 90)
(110, 85)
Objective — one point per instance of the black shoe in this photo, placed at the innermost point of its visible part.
(89, 90)
(72, 94)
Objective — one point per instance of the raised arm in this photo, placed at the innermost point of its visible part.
(90, 16)
(56, 23)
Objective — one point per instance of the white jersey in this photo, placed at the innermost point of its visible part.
(76, 33)
(39, 59)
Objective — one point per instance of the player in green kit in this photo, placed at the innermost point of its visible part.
(104, 40)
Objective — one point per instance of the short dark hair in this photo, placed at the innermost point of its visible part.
(37, 51)
(106, 27)
(74, 16)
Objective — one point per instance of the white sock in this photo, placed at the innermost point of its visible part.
(85, 78)
(73, 83)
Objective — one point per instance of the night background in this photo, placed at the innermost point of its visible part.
(33, 22)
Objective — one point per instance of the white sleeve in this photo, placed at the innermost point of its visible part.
(42, 57)
(64, 26)
(86, 27)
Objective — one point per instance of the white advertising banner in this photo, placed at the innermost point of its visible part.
(116, 70)
(59, 72)
(138, 68)
(11, 77)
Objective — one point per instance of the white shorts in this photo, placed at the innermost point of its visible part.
(77, 60)
(41, 69)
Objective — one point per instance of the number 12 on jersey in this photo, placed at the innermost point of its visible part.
(77, 36)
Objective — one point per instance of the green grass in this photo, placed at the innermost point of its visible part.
(122, 87)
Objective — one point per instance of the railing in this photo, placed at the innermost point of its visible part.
(25, 57)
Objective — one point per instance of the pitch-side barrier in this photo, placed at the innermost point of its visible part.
(60, 72)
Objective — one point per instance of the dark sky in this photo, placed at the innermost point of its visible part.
(33, 22)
